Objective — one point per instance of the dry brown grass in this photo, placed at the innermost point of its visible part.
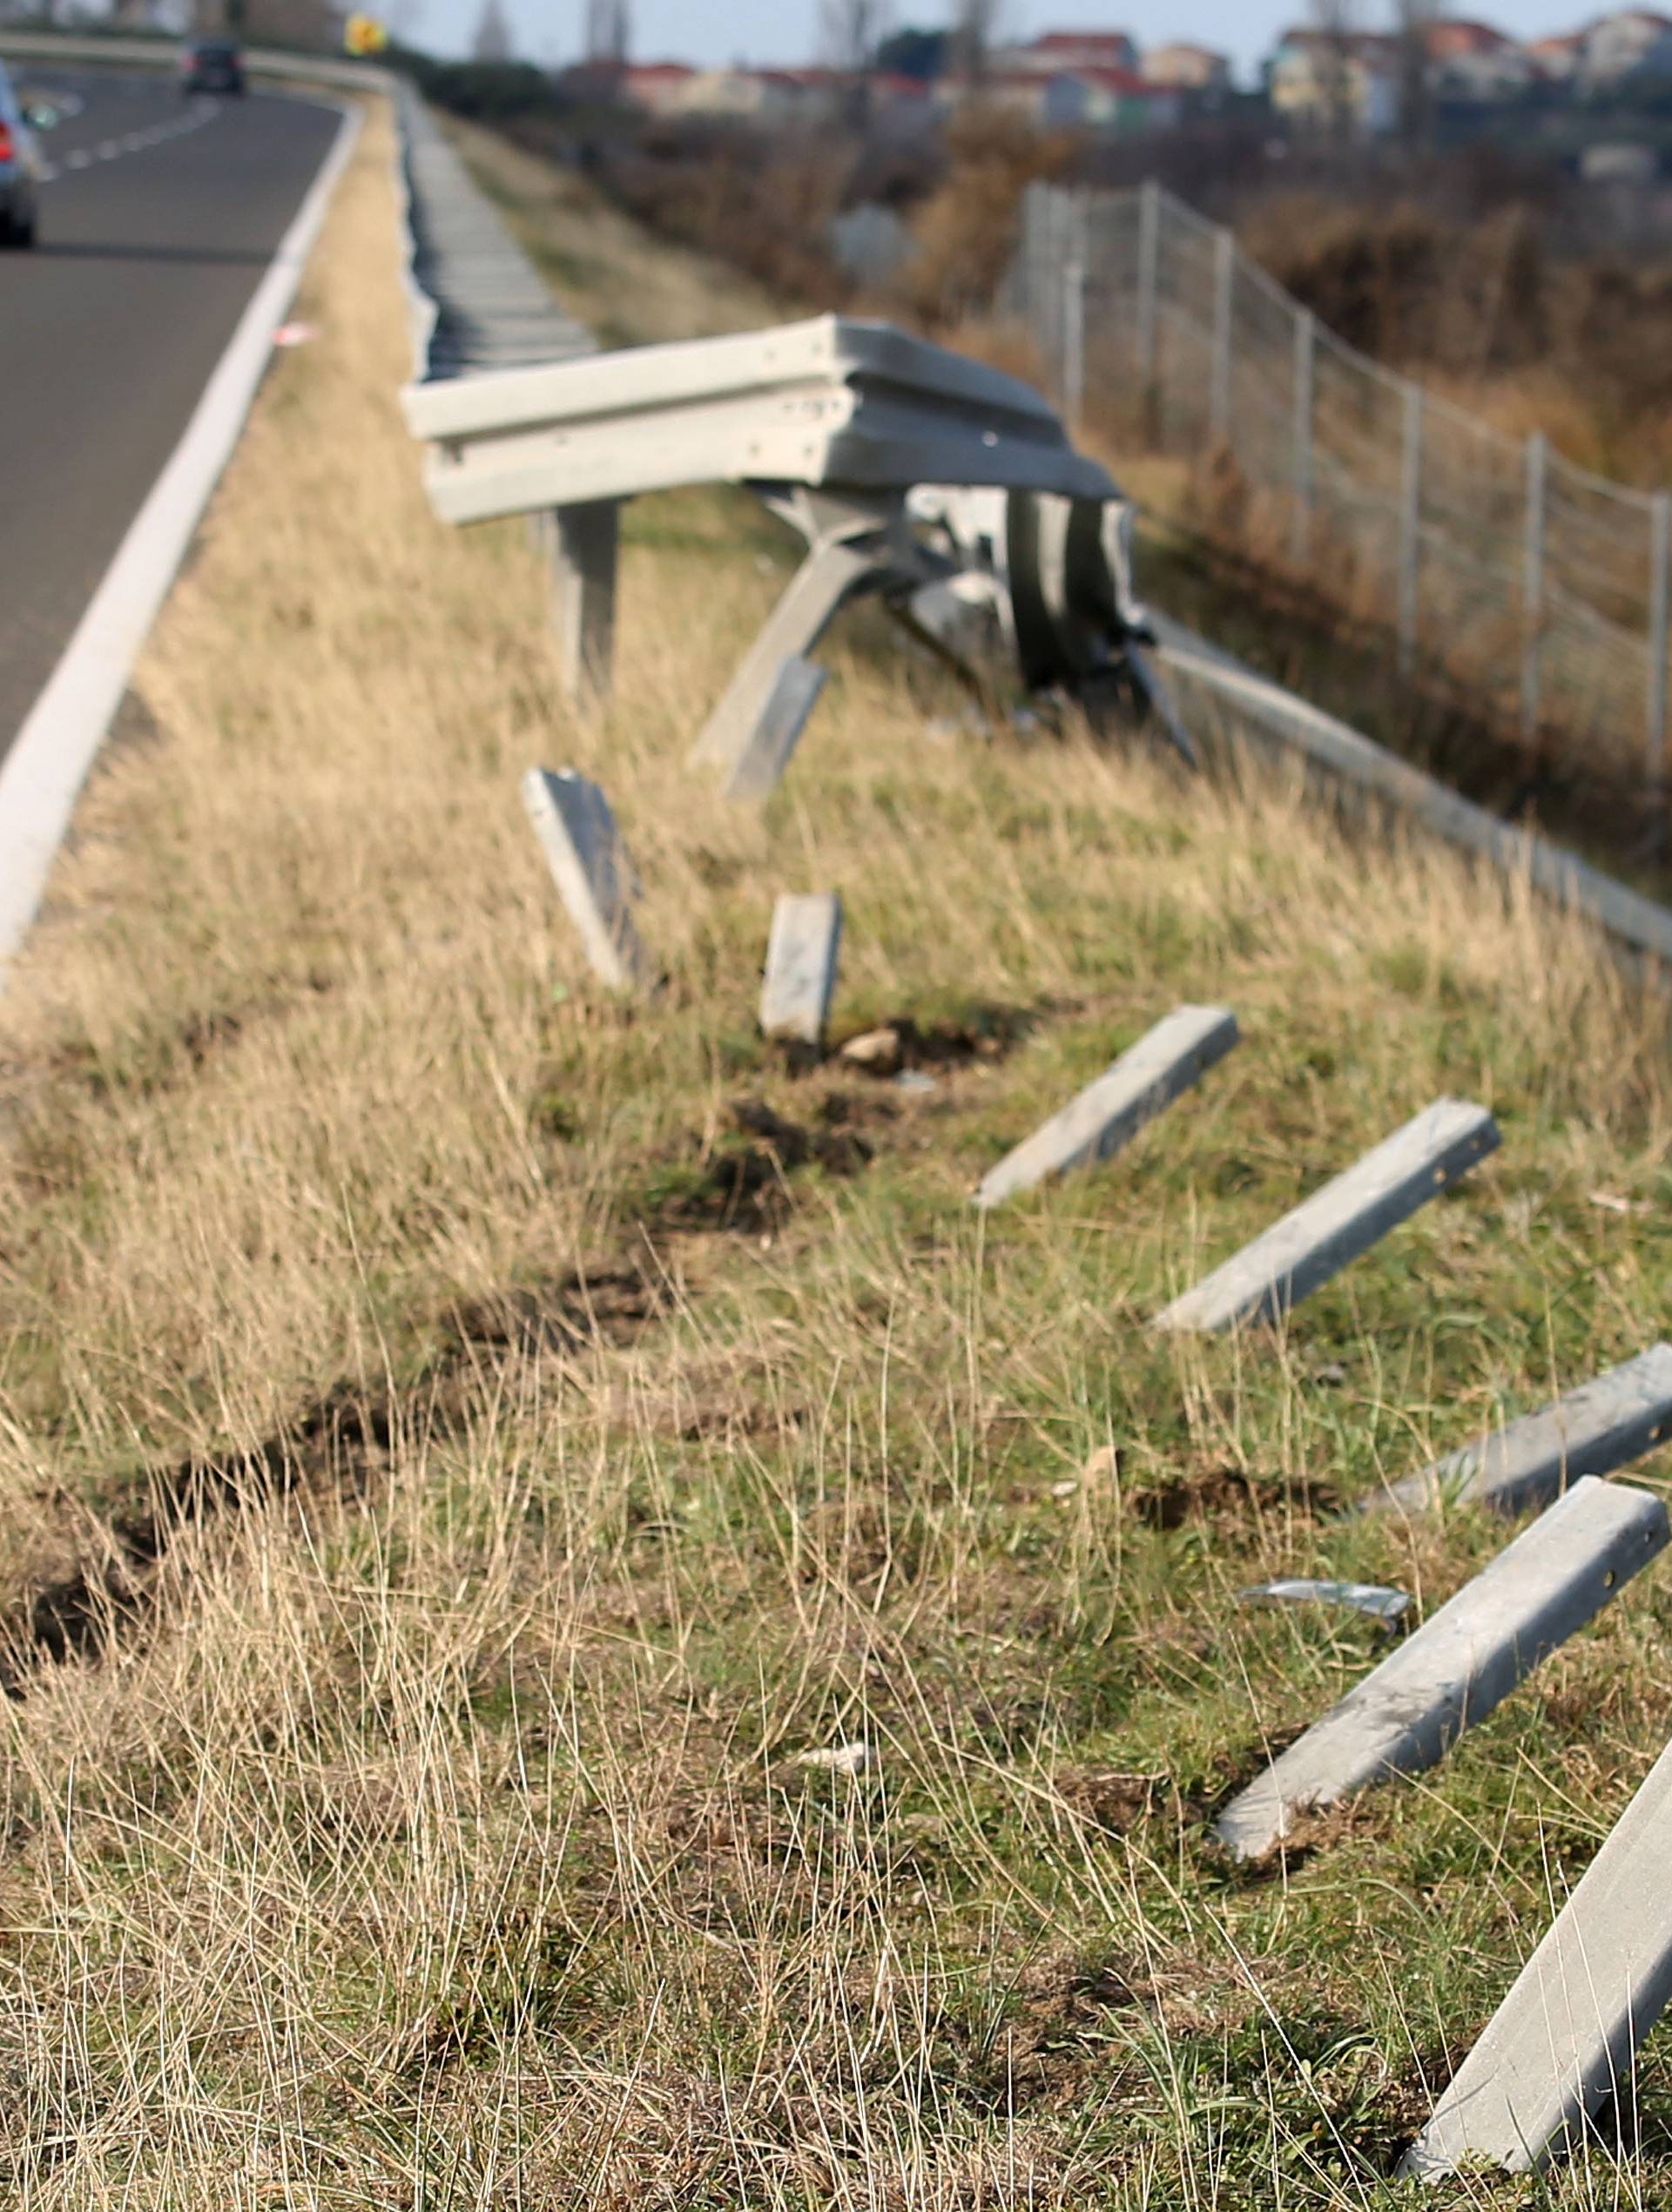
(457, 1467)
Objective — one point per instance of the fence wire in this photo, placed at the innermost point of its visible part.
(1542, 585)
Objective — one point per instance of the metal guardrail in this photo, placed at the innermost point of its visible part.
(491, 306)
(163, 53)
(835, 423)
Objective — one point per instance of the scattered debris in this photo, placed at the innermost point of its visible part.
(913, 1079)
(1330, 1373)
(1611, 1202)
(856, 1757)
(1375, 1598)
(877, 1051)
(1103, 1466)
(1069, 1489)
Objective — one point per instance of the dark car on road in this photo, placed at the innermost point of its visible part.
(20, 168)
(210, 66)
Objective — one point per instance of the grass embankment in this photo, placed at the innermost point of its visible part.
(464, 1439)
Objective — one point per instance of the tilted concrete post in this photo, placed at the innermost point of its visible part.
(1606, 1422)
(1461, 1662)
(1564, 2038)
(801, 977)
(1335, 1224)
(1109, 1112)
(590, 868)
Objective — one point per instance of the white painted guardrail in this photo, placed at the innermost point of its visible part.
(1360, 766)
(836, 423)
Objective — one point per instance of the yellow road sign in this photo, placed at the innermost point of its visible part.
(365, 35)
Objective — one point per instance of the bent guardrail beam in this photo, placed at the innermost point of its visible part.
(834, 422)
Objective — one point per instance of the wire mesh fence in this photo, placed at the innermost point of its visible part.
(1540, 585)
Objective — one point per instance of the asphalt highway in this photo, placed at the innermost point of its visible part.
(156, 223)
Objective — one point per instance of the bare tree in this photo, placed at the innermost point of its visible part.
(974, 34)
(609, 32)
(492, 42)
(1413, 21)
(852, 31)
(1334, 26)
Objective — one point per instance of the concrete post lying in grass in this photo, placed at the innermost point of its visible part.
(1335, 1224)
(1111, 1110)
(582, 546)
(1450, 1674)
(776, 731)
(1611, 1419)
(590, 866)
(1563, 2040)
(801, 968)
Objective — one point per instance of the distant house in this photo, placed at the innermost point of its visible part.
(657, 87)
(1559, 59)
(1184, 68)
(1476, 62)
(1619, 45)
(758, 95)
(1023, 93)
(1119, 102)
(1318, 79)
(1057, 53)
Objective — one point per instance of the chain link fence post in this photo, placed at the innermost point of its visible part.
(1410, 528)
(1077, 225)
(1224, 276)
(1149, 306)
(1533, 584)
(1300, 541)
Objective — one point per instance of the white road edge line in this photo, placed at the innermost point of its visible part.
(41, 776)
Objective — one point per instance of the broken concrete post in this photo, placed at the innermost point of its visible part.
(590, 866)
(1604, 1424)
(1563, 2040)
(801, 968)
(776, 731)
(582, 543)
(1289, 1260)
(1466, 1659)
(1111, 1110)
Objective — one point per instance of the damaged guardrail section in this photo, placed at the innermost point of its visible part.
(955, 496)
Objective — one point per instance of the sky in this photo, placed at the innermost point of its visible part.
(711, 32)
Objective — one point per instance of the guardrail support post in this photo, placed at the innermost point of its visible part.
(1224, 276)
(1533, 584)
(1410, 528)
(1300, 544)
(1660, 589)
(582, 543)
